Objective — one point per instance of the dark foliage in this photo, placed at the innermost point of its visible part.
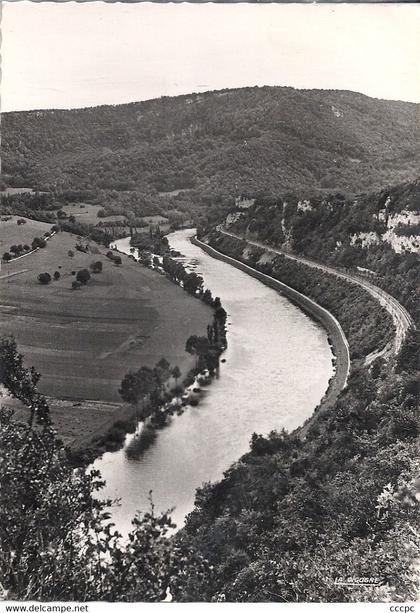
(194, 150)
(44, 278)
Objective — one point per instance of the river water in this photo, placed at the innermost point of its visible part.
(277, 368)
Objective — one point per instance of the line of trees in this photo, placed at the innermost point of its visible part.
(147, 386)
(16, 251)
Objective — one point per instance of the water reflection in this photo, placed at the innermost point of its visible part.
(277, 368)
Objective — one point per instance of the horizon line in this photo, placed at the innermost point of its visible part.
(196, 93)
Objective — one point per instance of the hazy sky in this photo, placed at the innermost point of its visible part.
(71, 55)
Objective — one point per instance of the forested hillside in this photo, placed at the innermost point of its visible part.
(306, 520)
(376, 234)
(211, 146)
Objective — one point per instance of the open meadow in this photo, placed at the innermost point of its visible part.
(84, 341)
(13, 234)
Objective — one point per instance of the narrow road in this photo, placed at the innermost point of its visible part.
(13, 274)
(400, 316)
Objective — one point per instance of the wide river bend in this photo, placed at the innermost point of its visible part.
(277, 368)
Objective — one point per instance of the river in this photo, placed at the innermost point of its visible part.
(277, 368)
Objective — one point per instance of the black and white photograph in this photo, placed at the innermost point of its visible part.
(209, 305)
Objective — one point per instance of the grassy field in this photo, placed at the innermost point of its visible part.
(84, 341)
(12, 234)
(86, 213)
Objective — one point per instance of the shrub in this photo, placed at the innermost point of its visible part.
(56, 275)
(44, 278)
(115, 258)
(96, 267)
(76, 285)
(83, 276)
(70, 253)
(7, 257)
(39, 243)
(21, 222)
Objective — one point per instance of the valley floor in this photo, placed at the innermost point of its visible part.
(84, 341)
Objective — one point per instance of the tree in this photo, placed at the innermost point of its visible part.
(83, 276)
(44, 278)
(21, 382)
(55, 537)
(198, 346)
(70, 253)
(207, 297)
(193, 283)
(56, 275)
(96, 267)
(117, 260)
(7, 257)
(162, 371)
(38, 243)
(137, 385)
(176, 373)
(76, 285)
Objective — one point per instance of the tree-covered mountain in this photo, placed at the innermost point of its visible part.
(217, 144)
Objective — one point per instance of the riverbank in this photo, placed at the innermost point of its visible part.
(265, 382)
(83, 343)
(336, 336)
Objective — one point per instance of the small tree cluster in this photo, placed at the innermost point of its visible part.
(38, 243)
(114, 258)
(83, 276)
(44, 278)
(15, 251)
(147, 385)
(96, 267)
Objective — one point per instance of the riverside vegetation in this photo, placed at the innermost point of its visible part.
(287, 520)
(151, 388)
(293, 515)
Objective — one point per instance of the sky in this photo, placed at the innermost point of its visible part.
(83, 54)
